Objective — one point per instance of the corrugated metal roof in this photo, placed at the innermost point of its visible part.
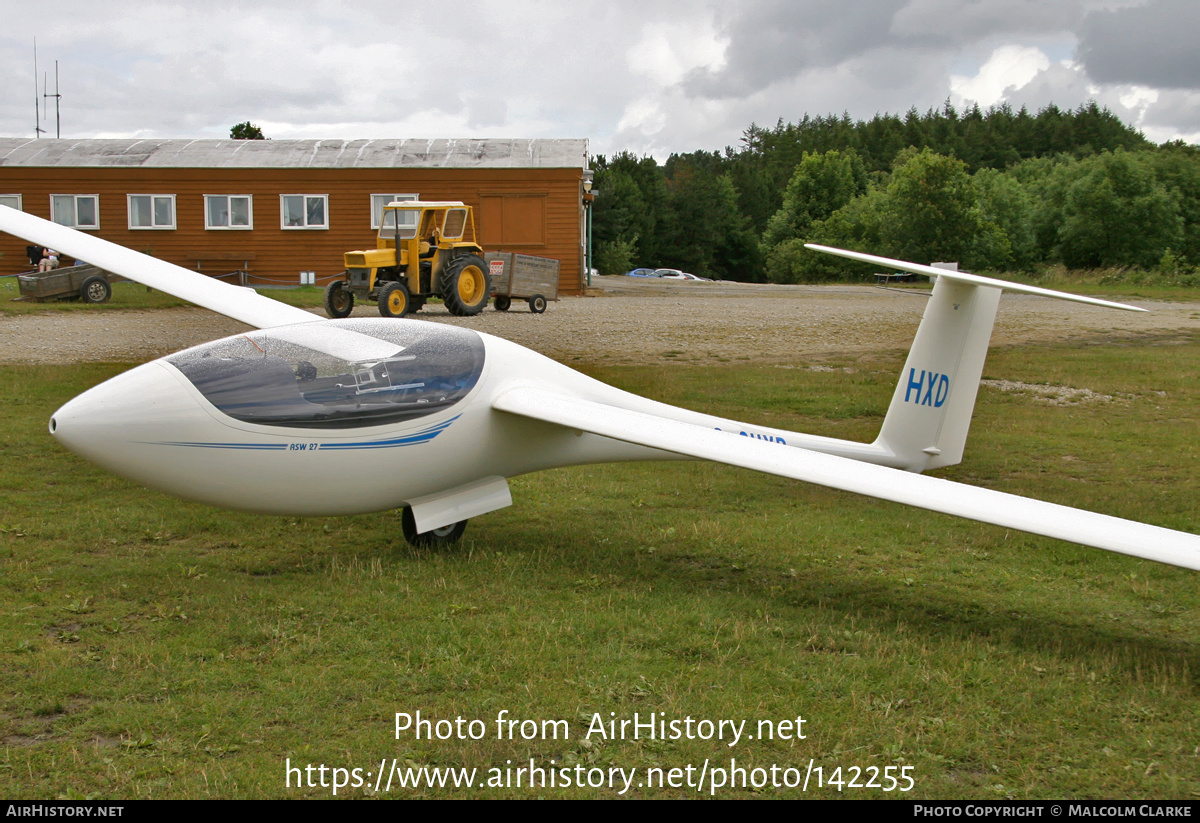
(313, 154)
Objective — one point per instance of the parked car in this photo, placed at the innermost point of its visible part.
(640, 273)
(676, 274)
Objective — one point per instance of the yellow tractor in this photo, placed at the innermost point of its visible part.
(424, 249)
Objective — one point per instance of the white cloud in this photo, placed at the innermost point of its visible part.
(1009, 67)
(665, 53)
(643, 116)
(664, 76)
(1138, 97)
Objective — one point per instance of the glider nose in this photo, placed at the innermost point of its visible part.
(109, 424)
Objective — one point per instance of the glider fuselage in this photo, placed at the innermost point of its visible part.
(267, 422)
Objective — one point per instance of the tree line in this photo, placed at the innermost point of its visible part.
(992, 190)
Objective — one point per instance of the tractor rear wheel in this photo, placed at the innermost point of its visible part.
(465, 286)
(339, 300)
(394, 300)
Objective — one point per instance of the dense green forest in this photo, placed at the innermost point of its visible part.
(993, 190)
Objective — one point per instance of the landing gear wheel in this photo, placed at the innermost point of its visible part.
(465, 286)
(339, 300)
(437, 538)
(95, 290)
(502, 303)
(394, 300)
(537, 304)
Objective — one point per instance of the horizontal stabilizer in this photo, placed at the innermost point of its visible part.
(965, 277)
(1002, 509)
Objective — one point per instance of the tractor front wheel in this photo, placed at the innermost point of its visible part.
(465, 286)
(394, 300)
(339, 300)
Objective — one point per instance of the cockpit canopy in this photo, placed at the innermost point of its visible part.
(336, 374)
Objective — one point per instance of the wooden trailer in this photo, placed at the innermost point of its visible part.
(84, 282)
(515, 276)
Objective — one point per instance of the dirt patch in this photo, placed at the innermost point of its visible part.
(632, 322)
(1052, 395)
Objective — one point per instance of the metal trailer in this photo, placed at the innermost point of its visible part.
(515, 276)
(85, 282)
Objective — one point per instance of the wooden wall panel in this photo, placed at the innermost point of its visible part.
(280, 253)
(513, 222)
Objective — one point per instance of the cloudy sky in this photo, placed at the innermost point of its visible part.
(650, 76)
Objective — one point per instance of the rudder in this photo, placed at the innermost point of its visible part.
(930, 413)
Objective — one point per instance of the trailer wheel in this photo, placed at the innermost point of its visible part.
(465, 286)
(437, 538)
(339, 300)
(537, 304)
(394, 300)
(95, 290)
(502, 303)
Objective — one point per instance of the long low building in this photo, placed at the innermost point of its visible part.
(275, 208)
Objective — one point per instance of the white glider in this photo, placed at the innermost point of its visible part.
(323, 417)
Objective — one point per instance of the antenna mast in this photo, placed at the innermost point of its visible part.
(57, 97)
(37, 104)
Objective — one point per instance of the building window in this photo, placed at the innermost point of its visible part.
(304, 211)
(378, 201)
(13, 201)
(151, 211)
(79, 211)
(228, 211)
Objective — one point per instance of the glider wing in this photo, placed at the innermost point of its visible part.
(1009, 510)
(237, 302)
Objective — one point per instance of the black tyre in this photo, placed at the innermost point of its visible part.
(394, 300)
(537, 304)
(465, 286)
(95, 290)
(339, 300)
(436, 538)
(502, 303)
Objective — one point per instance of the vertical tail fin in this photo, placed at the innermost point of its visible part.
(927, 423)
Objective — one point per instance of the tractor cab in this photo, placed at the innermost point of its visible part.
(430, 222)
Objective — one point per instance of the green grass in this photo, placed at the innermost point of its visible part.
(124, 296)
(306, 297)
(1143, 285)
(153, 648)
(1119, 282)
(135, 296)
